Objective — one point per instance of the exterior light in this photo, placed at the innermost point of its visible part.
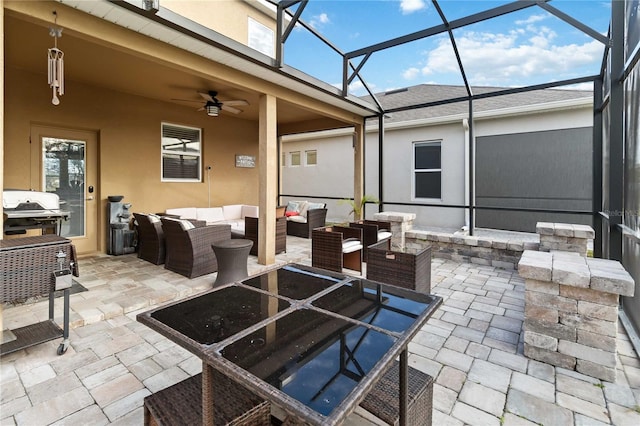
(151, 5)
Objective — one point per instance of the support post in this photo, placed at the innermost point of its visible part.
(268, 161)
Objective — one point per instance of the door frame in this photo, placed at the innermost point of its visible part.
(91, 242)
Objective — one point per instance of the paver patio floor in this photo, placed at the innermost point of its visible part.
(472, 345)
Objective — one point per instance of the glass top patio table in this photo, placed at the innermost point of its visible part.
(311, 341)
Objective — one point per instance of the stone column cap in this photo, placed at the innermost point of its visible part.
(567, 268)
(565, 230)
(394, 216)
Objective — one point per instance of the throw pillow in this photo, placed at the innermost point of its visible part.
(293, 206)
(291, 213)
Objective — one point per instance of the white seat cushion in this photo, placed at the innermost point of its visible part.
(184, 213)
(299, 219)
(350, 245)
(383, 234)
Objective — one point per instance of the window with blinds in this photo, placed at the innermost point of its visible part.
(181, 153)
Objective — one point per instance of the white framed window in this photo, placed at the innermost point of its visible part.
(311, 157)
(181, 153)
(294, 158)
(260, 38)
(427, 170)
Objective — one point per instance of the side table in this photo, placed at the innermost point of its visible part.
(403, 269)
(232, 258)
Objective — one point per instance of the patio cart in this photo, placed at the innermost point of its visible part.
(35, 266)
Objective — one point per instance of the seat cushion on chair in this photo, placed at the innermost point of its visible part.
(312, 206)
(297, 218)
(153, 218)
(186, 225)
(383, 234)
(350, 245)
(210, 214)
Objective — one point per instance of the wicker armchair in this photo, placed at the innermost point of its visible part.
(409, 269)
(315, 219)
(151, 246)
(251, 233)
(373, 231)
(189, 251)
(337, 247)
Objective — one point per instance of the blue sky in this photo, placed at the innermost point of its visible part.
(523, 48)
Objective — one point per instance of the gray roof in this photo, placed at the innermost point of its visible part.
(426, 93)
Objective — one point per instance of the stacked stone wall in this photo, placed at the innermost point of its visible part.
(564, 237)
(571, 310)
(463, 248)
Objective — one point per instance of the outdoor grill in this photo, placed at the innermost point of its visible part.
(23, 210)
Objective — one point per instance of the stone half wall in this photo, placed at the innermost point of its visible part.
(463, 248)
(571, 310)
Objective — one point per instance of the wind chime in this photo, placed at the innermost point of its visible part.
(56, 64)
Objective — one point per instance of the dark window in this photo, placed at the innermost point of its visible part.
(427, 170)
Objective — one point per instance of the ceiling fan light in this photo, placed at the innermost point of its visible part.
(212, 108)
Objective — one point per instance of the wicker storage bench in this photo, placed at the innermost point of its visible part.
(383, 400)
(181, 404)
(402, 269)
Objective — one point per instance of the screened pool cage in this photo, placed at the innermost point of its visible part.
(615, 212)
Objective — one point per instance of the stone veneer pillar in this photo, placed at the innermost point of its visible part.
(571, 310)
(564, 237)
(400, 223)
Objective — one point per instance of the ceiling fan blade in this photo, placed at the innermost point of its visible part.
(235, 102)
(233, 110)
(206, 96)
(200, 109)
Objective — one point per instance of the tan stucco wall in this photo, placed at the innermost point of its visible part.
(228, 17)
(129, 144)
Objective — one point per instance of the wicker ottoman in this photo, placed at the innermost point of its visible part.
(384, 398)
(181, 404)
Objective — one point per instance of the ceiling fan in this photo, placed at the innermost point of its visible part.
(213, 105)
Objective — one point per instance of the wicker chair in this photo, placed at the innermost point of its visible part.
(251, 233)
(315, 219)
(151, 246)
(409, 269)
(373, 231)
(189, 251)
(337, 247)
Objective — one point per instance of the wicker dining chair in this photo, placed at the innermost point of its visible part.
(189, 251)
(337, 247)
(151, 244)
(373, 231)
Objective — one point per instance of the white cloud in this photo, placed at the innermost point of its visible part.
(499, 59)
(357, 88)
(411, 73)
(318, 21)
(410, 6)
(532, 19)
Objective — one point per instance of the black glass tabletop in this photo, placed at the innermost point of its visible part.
(313, 357)
(293, 282)
(214, 316)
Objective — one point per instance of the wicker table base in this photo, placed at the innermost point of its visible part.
(232, 258)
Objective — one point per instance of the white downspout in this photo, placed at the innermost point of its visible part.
(465, 126)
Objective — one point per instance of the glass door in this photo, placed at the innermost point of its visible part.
(64, 162)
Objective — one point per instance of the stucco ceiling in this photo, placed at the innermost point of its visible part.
(94, 64)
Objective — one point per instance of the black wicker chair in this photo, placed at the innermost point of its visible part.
(251, 233)
(337, 247)
(151, 244)
(189, 251)
(373, 231)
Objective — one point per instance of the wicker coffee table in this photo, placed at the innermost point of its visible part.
(313, 342)
(232, 258)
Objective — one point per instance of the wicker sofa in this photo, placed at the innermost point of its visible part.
(232, 214)
(303, 217)
(189, 251)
